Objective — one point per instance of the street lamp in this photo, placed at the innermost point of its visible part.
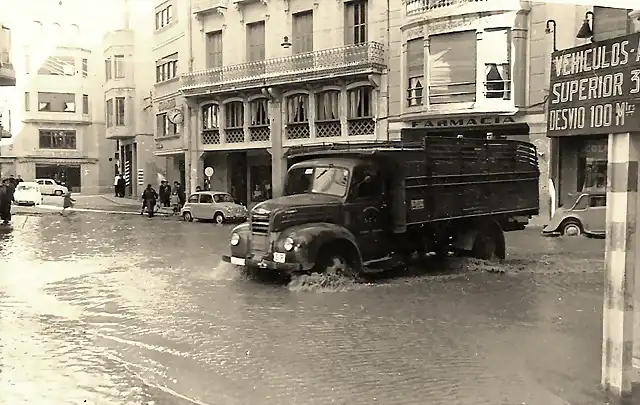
(286, 44)
(586, 30)
(551, 29)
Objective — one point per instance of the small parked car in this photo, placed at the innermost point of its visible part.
(213, 205)
(27, 193)
(585, 215)
(50, 187)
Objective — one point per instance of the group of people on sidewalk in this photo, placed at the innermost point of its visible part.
(166, 196)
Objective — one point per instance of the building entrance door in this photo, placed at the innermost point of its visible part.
(237, 165)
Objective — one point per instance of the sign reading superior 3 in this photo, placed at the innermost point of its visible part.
(595, 88)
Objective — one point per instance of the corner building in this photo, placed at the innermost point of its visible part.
(268, 75)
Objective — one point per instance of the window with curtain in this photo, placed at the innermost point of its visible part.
(109, 111)
(214, 49)
(355, 24)
(415, 71)
(302, 40)
(327, 104)
(497, 75)
(452, 66)
(359, 102)
(210, 117)
(298, 109)
(120, 111)
(234, 114)
(258, 109)
(255, 41)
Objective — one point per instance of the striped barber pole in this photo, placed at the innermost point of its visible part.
(127, 172)
(620, 264)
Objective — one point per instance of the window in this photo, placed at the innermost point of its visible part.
(27, 102)
(258, 112)
(118, 66)
(167, 68)
(109, 111)
(223, 198)
(214, 49)
(355, 23)
(234, 114)
(210, 116)
(327, 104)
(85, 104)
(453, 68)
(54, 139)
(107, 68)
(85, 67)
(58, 66)
(164, 17)
(497, 47)
(415, 71)
(165, 127)
(255, 41)
(321, 179)
(303, 32)
(206, 199)
(119, 111)
(598, 201)
(57, 102)
(592, 165)
(366, 183)
(360, 103)
(298, 109)
(193, 199)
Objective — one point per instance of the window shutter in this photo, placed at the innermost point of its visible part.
(452, 67)
(415, 57)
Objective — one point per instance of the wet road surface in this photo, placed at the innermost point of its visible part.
(107, 309)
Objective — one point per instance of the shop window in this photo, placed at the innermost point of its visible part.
(592, 165)
(260, 182)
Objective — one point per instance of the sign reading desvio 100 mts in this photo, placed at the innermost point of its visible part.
(595, 88)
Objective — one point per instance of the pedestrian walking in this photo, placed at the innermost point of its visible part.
(180, 190)
(6, 198)
(67, 202)
(175, 202)
(122, 184)
(116, 185)
(149, 199)
(165, 193)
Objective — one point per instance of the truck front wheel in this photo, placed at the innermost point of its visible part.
(333, 264)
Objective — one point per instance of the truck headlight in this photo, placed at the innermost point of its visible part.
(288, 244)
(235, 239)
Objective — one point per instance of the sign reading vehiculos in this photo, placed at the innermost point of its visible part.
(595, 88)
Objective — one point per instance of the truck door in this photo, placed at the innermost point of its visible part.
(370, 212)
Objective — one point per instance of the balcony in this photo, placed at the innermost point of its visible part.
(326, 64)
(442, 8)
(207, 6)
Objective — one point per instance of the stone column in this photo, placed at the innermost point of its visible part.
(278, 162)
(620, 265)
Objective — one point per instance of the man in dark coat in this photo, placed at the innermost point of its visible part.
(6, 198)
(122, 184)
(182, 198)
(149, 198)
(165, 193)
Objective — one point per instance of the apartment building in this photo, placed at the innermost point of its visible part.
(266, 76)
(580, 162)
(171, 56)
(56, 109)
(128, 93)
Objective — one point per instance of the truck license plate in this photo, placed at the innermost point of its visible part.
(238, 261)
(279, 257)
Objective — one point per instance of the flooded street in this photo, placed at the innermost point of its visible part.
(107, 309)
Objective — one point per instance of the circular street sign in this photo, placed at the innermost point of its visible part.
(209, 171)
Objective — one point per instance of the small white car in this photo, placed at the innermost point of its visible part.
(27, 193)
(213, 205)
(50, 187)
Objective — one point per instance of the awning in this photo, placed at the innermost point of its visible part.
(169, 152)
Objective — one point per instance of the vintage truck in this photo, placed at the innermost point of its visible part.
(357, 208)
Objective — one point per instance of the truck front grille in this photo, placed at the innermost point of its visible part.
(259, 243)
(260, 224)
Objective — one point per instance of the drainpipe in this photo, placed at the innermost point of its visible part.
(187, 122)
(387, 57)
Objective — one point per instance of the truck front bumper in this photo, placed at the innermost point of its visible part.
(263, 264)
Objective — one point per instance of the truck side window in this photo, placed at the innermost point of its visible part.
(367, 189)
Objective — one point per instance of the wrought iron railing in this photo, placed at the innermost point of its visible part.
(418, 6)
(369, 54)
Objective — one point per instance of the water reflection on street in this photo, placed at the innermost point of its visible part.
(113, 309)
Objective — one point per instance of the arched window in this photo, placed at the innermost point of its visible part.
(259, 130)
(360, 111)
(327, 119)
(234, 122)
(298, 116)
(210, 114)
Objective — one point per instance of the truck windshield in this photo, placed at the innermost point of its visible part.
(321, 180)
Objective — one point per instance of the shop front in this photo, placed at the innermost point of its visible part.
(476, 126)
(582, 165)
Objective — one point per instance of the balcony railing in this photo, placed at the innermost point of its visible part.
(343, 61)
(419, 6)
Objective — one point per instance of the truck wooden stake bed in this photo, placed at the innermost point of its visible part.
(354, 208)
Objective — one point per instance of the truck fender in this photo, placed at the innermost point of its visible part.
(465, 239)
(320, 235)
(242, 249)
